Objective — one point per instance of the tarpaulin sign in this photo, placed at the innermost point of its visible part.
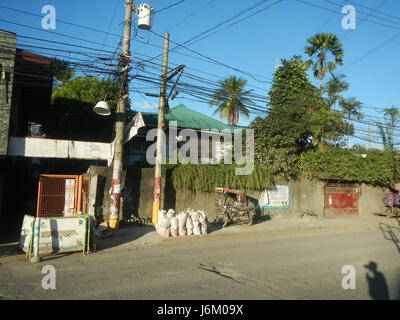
(278, 197)
(69, 197)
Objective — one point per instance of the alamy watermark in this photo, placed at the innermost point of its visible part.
(49, 20)
(49, 280)
(204, 147)
(349, 280)
(349, 20)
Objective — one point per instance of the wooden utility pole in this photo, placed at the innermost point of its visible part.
(160, 133)
(120, 118)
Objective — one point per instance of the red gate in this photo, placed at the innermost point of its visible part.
(341, 200)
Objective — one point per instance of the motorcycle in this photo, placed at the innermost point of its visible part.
(234, 209)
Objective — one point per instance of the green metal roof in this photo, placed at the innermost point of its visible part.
(187, 118)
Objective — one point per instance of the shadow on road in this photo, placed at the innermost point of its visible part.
(377, 286)
(390, 233)
(123, 235)
(9, 249)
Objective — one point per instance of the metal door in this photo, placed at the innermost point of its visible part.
(341, 201)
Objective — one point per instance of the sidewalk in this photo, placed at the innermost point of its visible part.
(145, 236)
(134, 236)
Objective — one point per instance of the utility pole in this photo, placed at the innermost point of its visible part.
(120, 118)
(160, 127)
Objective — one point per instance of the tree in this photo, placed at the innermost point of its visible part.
(351, 108)
(333, 87)
(284, 133)
(71, 115)
(321, 45)
(62, 72)
(386, 131)
(293, 96)
(231, 100)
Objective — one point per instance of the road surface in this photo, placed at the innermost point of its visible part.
(252, 264)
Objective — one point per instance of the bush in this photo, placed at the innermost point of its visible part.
(201, 177)
(377, 168)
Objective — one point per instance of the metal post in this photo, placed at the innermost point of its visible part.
(36, 234)
(120, 119)
(36, 230)
(160, 133)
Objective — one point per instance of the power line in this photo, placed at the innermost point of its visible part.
(223, 22)
(190, 15)
(170, 6)
(218, 25)
(252, 75)
(380, 46)
(236, 22)
(208, 59)
(61, 21)
(209, 94)
(335, 11)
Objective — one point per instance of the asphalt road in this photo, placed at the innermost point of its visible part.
(287, 264)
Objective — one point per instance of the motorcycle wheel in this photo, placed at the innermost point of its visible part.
(226, 221)
(219, 221)
(251, 219)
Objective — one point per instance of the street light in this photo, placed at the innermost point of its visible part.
(102, 108)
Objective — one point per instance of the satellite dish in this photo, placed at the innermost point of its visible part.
(102, 108)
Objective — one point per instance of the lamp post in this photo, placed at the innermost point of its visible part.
(144, 13)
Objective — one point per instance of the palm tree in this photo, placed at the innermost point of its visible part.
(333, 87)
(320, 46)
(231, 99)
(351, 107)
(386, 131)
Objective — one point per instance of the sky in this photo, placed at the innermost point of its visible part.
(269, 30)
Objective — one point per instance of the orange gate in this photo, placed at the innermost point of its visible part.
(59, 195)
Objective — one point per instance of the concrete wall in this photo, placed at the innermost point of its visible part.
(370, 200)
(53, 148)
(138, 196)
(7, 57)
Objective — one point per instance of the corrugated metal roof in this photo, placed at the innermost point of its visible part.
(187, 118)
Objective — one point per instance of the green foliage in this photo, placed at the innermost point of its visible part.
(231, 99)
(297, 116)
(87, 90)
(201, 177)
(277, 145)
(377, 168)
(284, 133)
(386, 130)
(71, 112)
(62, 72)
(298, 113)
(319, 48)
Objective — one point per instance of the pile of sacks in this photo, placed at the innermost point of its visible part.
(186, 223)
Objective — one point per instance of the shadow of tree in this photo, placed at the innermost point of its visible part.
(377, 286)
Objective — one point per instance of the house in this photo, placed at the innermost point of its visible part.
(26, 85)
(209, 131)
